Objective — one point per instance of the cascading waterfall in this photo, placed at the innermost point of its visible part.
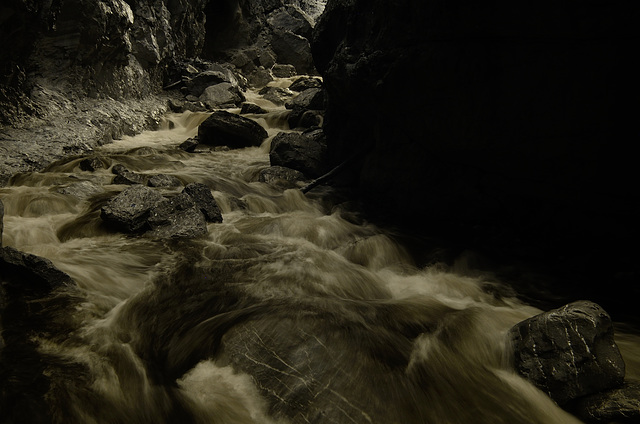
(286, 312)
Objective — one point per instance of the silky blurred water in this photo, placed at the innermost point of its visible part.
(288, 311)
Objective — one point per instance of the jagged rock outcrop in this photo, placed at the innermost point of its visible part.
(481, 123)
(568, 352)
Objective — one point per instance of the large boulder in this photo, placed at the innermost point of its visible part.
(568, 352)
(293, 49)
(129, 210)
(30, 274)
(304, 152)
(223, 128)
(291, 18)
(223, 94)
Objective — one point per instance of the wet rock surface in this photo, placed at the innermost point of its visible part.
(620, 405)
(177, 217)
(304, 152)
(568, 352)
(129, 210)
(227, 129)
(201, 195)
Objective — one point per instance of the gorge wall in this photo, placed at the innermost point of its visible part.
(503, 127)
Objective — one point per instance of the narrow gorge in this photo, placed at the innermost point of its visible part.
(306, 211)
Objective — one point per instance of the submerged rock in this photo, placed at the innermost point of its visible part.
(127, 177)
(91, 164)
(568, 352)
(163, 180)
(304, 152)
(81, 189)
(228, 129)
(201, 195)
(621, 405)
(281, 177)
(129, 210)
(178, 217)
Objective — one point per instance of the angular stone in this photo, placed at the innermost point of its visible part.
(293, 49)
(568, 352)
(198, 83)
(305, 152)
(189, 145)
(163, 180)
(276, 95)
(178, 217)
(251, 108)
(223, 128)
(201, 195)
(281, 70)
(221, 94)
(128, 178)
(311, 98)
(129, 210)
(305, 83)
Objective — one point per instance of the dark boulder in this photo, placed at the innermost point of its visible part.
(251, 108)
(189, 145)
(310, 99)
(91, 164)
(163, 180)
(304, 152)
(127, 177)
(129, 210)
(223, 94)
(118, 169)
(177, 217)
(620, 405)
(293, 19)
(276, 95)
(30, 274)
(293, 49)
(568, 352)
(305, 83)
(198, 83)
(201, 195)
(283, 70)
(223, 128)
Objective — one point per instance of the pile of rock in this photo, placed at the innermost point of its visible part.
(141, 209)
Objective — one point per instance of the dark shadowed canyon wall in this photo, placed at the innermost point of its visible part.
(506, 126)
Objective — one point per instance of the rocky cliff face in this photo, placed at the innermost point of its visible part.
(503, 124)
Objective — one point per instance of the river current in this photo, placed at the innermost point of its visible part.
(291, 310)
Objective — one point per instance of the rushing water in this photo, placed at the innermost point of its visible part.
(289, 311)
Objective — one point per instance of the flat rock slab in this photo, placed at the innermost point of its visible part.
(568, 352)
(223, 128)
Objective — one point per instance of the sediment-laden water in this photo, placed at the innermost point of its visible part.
(289, 311)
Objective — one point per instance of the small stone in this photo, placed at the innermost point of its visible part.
(189, 145)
